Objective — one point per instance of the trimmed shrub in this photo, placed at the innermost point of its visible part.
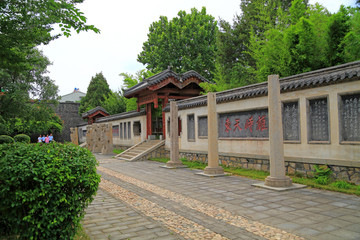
(45, 189)
(6, 139)
(22, 138)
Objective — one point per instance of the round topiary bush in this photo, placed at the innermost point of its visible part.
(6, 139)
(45, 189)
(22, 138)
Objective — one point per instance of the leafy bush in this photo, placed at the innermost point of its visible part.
(342, 184)
(45, 189)
(22, 138)
(6, 139)
(322, 174)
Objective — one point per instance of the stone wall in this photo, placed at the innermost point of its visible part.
(69, 113)
(160, 152)
(351, 174)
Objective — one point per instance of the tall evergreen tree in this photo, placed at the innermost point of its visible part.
(97, 91)
(351, 42)
(337, 30)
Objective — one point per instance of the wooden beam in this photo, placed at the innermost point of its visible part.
(148, 120)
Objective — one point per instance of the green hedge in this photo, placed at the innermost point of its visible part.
(22, 138)
(45, 189)
(6, 139)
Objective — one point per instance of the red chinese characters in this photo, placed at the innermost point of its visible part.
(227, 125)
(236, 125)
(249, 123)
(261, 123)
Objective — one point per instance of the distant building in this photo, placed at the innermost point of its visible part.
(68, 110)
(75, 96)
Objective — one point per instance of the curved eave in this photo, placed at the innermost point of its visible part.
(156, 79)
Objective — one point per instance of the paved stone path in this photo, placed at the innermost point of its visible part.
(140, 200)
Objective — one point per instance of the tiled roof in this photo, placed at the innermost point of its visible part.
(317, 78)
(91, 111)
(72, 97)
(153, 80)
(121, 116)
(82, 124)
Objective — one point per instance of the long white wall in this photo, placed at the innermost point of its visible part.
(335, 151)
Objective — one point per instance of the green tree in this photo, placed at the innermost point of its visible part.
(27, 24)
(19, 87)
(187, 42)
(24, 25)
(234, 58)
(97, 91)
(337, 30)
(114, 103)
(40, 118)
(129, 80)
(351, 41)
(297, 45)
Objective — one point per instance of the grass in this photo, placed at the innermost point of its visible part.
(261, 175)
(81, 235)
(117, 151)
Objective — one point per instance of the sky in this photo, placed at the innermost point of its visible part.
(124, 27)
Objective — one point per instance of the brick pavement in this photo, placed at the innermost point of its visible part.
(211, 208)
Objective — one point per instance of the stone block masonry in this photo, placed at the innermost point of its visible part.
(351, 174)
(69, 113)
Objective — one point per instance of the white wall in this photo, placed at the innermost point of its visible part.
(347, 154)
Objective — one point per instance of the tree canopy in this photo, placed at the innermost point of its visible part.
(24, 25)
(187, 42)
(114, 103)
(97, 91)
(131, 80)
(285, 38)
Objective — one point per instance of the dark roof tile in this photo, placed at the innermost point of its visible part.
(321, 77)
(91, 111)
(153, 80)
(121, 116)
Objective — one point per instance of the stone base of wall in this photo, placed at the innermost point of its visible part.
(351, 174)
(158, 153)
(121, 147)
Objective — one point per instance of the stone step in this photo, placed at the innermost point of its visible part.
(127, 156)
(142, 148)
(138, 150)
(132, 153)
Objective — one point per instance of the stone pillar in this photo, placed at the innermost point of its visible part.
(74, 136)
(277, 176)
(89, 141)
(174, 138)
(108, 139)
(213, 167)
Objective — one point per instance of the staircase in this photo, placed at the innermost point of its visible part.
(139, 150)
